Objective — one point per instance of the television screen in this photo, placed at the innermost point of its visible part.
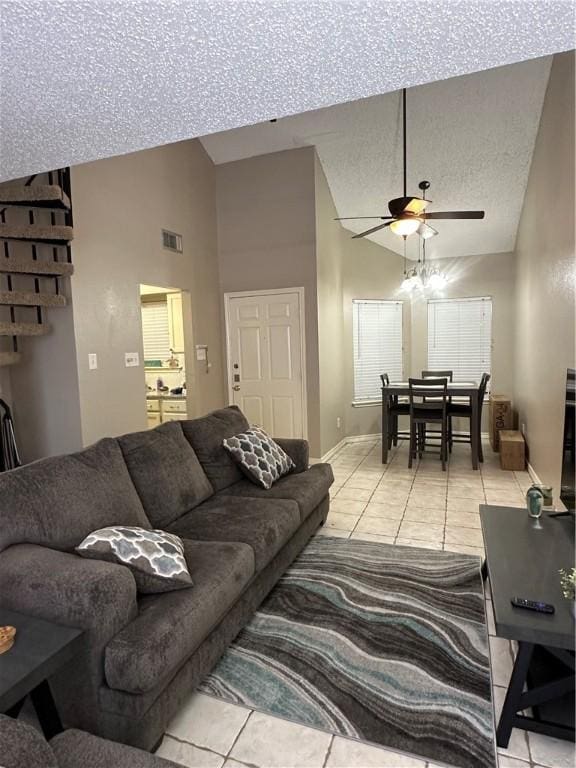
(568, 449)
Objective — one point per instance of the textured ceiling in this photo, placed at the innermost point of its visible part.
(472, 137)
(94, 78)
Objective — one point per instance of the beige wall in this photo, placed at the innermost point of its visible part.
(267, 239)
(331, 351)
(120, 207)
(45, 390)
(369, 272)
(546, 278)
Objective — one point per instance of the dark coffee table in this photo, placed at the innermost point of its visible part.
(522, 558)
(40, 649)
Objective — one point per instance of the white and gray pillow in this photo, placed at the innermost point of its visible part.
(259, 457)
(156, 558)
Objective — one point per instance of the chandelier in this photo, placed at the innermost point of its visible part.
(423, 277)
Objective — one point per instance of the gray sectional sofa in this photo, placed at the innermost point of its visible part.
(144, 654)
(22, 746)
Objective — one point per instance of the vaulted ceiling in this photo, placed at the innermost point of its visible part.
(85, 80)
(472, 137)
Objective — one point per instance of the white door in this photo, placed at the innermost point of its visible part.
(265, 360)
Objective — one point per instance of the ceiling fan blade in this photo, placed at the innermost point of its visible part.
(454, 215)
(348, 218)
(370, 231)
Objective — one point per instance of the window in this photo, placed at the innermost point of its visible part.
(377, 345)
(460, 337)
(155, 330)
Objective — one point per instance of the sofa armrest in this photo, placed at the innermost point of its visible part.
(95, 596)
(298, 450)
(76, 748)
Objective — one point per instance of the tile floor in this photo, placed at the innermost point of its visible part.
(422, 507)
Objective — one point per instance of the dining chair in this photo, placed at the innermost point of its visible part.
(434, 435)
(462, 410)
(428, 405)
(396, 407)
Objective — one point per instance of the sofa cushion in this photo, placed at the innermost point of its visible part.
(206, 436)
(259, 457)
(57, 502)
(22, 746)
(155, 558)
(165, 471)
(266, 525)
(170, 627)
(306, 488)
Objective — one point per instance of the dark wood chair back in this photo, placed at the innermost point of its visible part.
(482, 393)
(428, 395)
(438, 375)
(482, 388)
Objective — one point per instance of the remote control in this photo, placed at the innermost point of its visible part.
(532, 605)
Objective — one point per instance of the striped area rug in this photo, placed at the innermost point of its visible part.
(383, 643)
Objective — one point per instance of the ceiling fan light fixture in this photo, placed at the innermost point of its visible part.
(435, 283)
(437, 280)
(426, 231)
(417, 205)
(407, 213)
(411, 281)
(405, 226)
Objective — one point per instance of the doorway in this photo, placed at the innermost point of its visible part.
(266, 358)
(164, 344)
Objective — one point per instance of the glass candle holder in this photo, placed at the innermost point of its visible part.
(534, 502)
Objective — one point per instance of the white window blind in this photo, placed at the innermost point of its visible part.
(377, 329)
(155, 330)
(460, 337)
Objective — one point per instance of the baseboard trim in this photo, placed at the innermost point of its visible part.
(333, 451)
(363, 439)
(533, 474)
(347, 441)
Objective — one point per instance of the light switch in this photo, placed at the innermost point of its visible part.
(201, 352)
(92, 361)
(132, 359)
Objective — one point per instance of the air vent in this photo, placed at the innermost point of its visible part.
(172, 241)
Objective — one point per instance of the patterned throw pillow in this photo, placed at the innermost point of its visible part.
(156, 558)
(261, 459)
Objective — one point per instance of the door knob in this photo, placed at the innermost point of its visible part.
(236, 387)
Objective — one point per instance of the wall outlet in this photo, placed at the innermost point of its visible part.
(132, 359)
(523, 429)
(338, 422)
(92, 361)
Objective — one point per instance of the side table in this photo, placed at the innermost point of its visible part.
(523, 556)
(40, 649)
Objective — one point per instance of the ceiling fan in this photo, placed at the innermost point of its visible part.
(408, 214)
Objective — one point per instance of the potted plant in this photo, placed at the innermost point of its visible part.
(568, 584)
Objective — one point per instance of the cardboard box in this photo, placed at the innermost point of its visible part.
(500, 418)
(512, 450)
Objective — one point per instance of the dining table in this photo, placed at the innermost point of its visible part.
(460, 389)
